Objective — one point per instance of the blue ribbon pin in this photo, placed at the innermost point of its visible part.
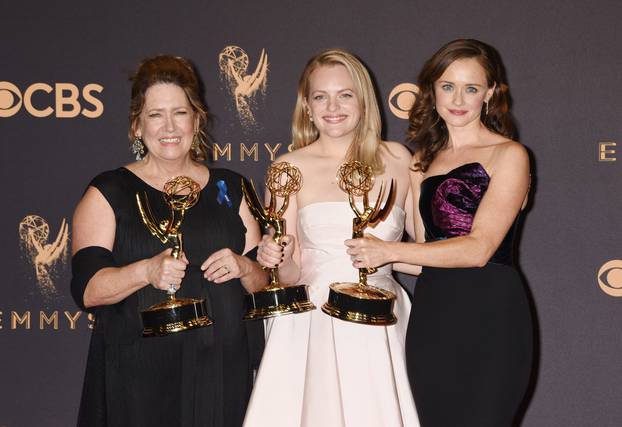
(222, 193)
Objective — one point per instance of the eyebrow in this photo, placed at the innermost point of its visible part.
(325, 91)
(467, 84)
(164, 108)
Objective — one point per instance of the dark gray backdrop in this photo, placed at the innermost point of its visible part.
(565, 69)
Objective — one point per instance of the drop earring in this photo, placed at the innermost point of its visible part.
(196, 145)
(486, 107)
(138, 147)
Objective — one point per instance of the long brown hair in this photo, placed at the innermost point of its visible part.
(175, 70)
(366, 142)
(426, 129)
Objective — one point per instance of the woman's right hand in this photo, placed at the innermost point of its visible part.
(163, 270)
(271, 254)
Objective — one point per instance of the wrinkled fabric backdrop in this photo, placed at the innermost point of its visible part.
(64, 96)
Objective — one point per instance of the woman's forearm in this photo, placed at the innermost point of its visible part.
(289, 273)
(113, 284)
(463, 251)
(254, 277)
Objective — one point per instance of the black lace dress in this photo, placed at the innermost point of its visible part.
(201, 377)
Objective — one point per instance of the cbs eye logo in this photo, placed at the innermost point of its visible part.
(610, 278)
(64, 100)
(402, 98)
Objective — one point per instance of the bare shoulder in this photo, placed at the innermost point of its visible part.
(396, 156)
(511, 151)
(397, 151)
(510, 156)
(297, 157)
(292, 157)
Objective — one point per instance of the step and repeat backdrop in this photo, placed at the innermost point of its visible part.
(64, 97)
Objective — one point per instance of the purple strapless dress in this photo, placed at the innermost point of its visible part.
(470, 335)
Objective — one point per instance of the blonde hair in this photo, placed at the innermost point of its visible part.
(366, 141)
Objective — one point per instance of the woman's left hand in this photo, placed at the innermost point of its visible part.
(368, 251)
(225, 265)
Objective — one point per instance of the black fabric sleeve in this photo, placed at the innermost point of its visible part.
(84, 264)
(109, 184)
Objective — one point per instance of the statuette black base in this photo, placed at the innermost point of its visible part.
(277, 302)
(367, 305)
(175, 315)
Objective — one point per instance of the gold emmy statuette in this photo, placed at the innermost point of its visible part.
(360, 302)
(173, 314)
(282, 180)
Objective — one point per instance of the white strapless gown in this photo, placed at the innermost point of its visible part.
(318, 371)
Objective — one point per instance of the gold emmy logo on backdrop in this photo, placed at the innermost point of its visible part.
(402, 98)
(282, 180)
(34, 233)
(68, 100)
(610, 278)
(233, 62)
(360, 302)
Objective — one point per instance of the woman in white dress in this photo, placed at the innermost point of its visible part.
(318, 370)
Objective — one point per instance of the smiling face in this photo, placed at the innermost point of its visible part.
(333, 102)
(167, 122)
(461, 91)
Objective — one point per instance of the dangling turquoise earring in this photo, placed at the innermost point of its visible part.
(138, 147)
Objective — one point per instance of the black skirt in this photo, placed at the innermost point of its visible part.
(469, 346)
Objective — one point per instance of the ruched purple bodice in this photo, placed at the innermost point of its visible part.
(448, 204)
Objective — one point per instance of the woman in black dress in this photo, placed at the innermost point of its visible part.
(198, 377)
(469, 340)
